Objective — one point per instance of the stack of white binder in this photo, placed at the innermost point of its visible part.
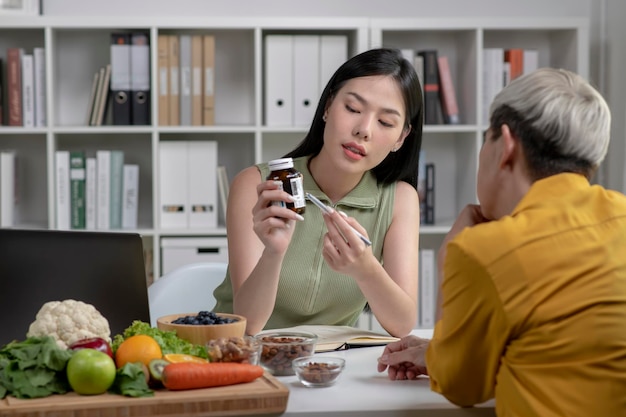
(188, 184)
(297, 68)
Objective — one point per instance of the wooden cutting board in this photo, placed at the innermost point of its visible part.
(265, 395)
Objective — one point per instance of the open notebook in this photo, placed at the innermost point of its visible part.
(341, 337)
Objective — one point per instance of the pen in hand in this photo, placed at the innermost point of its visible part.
(328, 210)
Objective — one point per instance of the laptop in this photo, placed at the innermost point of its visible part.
(105, 269)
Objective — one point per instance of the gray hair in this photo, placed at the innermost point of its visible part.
(570, 113)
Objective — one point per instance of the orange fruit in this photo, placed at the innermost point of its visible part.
(139, 348)
(181, 357)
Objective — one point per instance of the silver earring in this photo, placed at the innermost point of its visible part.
(324, 118)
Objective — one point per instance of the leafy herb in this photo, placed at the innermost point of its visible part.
(131, 382)
(167, 340)
(33, 368)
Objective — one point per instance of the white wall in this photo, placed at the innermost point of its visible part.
(615, 91)
(607, 32)
(371, 8)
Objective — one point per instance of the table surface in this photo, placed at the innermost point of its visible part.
(362, 391)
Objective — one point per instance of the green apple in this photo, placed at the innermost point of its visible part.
(90, 371)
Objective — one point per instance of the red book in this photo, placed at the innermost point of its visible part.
(14, 86)
(515, 57)
(449, 105)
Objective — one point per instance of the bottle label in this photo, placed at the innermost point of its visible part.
(297, 190)
(280, 187)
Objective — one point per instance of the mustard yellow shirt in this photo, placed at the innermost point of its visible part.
(534, 307)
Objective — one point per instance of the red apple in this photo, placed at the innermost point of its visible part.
(96, 343)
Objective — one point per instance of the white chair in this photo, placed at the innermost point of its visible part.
(186, 289)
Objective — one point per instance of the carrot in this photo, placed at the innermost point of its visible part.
(189, 375)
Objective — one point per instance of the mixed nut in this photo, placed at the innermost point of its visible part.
(278, 352)
(234, 349)
(319, 373)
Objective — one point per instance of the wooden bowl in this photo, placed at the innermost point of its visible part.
(201, 334)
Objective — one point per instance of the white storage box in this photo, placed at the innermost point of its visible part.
(177, 251)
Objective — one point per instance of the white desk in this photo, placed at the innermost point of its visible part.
(363, 391)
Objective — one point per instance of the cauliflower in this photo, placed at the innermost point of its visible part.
(68, 321)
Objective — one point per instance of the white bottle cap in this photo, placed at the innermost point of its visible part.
(282, 163)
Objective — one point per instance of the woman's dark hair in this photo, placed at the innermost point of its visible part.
(399, 165)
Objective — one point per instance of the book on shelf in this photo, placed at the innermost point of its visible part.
(2, 86)
(28, 91)
(427, 288)
(331, 338)
(506, 73)
(140, 78)
(39, 65)
(173, 161)
(14, 86)
(62, 188)
(163, 83)
(333, 53)
(447, 93)
(109, 183)
(130, 196)
(196, 80)
(94, 97)
(278, 81)
(417, 61)
(99, 97)
(188, 184)
(90, 193)
(8, 188)
(418, 64)
(208, 80)
(306, 75)
(185, 79)
(103, 97)
(121, 78)
(429, 194)
(77, 190)
(174, 80)
(103, 189)
(117, 187)
(148, 258)
(421, 185)
(531, 60)
(493, 79)
(432, 105)
(224, 187)
(202, 184)
(515, 58)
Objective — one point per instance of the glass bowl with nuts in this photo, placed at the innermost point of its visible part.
(246, 349)
(318, 371)
(279, 349)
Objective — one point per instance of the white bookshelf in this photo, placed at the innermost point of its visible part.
(77, 46)
(454, 149)
(561, 42)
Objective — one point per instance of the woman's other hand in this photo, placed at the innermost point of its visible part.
(344, 251)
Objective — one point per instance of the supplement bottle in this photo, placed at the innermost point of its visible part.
(292, 182)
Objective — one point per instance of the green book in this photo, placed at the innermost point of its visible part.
(117, 184)
(77, 189)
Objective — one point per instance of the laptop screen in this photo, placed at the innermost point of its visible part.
(104, 269)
